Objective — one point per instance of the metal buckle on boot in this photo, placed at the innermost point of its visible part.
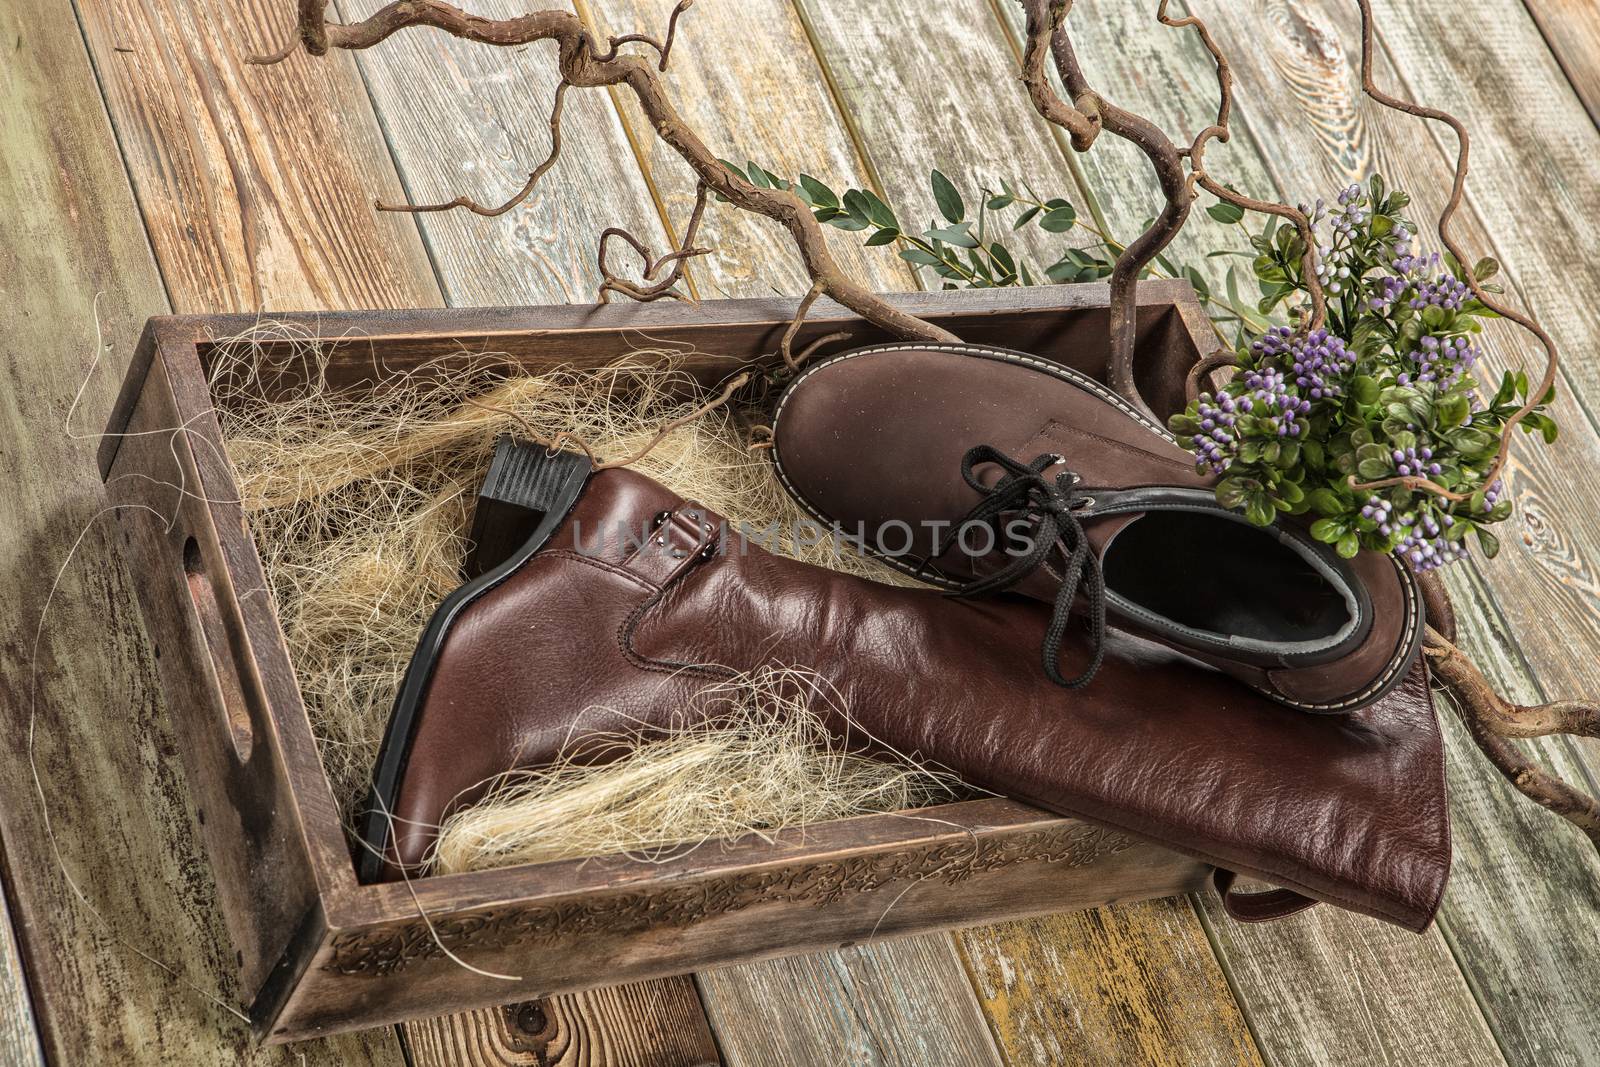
(676, 540)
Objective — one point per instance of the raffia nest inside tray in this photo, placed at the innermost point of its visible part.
(360, 505)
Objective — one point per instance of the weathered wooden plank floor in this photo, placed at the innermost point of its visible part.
(141, 160)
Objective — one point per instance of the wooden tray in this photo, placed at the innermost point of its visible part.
(318, 952)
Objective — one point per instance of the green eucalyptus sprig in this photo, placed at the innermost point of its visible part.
(976, 253)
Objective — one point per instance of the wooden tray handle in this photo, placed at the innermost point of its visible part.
(222, 643)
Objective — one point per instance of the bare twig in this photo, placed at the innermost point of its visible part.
(730, 387)
(1491, 720)
(1446, 216)
(1089, 112)
(822, 342)
(612, 283)
(663, 47)
(1207, 366)
(581, 64)
(1455, 669)
(785, 346)
(521, 194)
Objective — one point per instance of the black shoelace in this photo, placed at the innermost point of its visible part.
(1053, 505)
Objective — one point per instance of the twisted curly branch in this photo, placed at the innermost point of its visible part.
(1446, 216)
(666, 287)
(583, 65)
(1090, 111)
(1491, 720)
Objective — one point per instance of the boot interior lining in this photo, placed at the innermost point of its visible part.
(1208, 572)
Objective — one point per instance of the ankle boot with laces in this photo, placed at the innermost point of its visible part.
(981, 470)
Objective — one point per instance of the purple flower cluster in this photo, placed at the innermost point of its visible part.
(1271, 400)
(1319, 361)
(1351, 213)
(1377, 509)
(1409, 266)
(1415, 462)
(1424, 545)
(1443, 362)
(1385, 292)
(1444, 291)
(1214, 444)
(1491, 495)
(1352, 210)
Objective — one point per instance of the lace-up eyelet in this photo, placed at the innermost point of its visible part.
(1054, 507)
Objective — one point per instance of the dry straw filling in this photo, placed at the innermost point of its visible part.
(360, 503)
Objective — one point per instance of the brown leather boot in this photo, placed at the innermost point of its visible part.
(929, 455)
(627, 601)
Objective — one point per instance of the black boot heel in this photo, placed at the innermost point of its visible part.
(525, 483)
(526, 494)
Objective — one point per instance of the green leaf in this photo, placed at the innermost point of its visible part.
(1001, 202)
(1328, 530)
(1059, 219)
(1348, 546)
(1372, 452)
(1227, 214)
(1542, 424)
(1365, 390)
(1062, 271)
(1325, 501)
(855, 205)
(820, 194)
(955, 235)
(980, 265)
(883, 237)
(950, 203)
(1454, 410)
(758, 176)
(1486, 268)
(1469, 442)
(1488, 542)
(1002, 258)
(1371, 470)
(1232, 493)
(878, 212)
(1026, 217)
(919, 257)
(1196, 279)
